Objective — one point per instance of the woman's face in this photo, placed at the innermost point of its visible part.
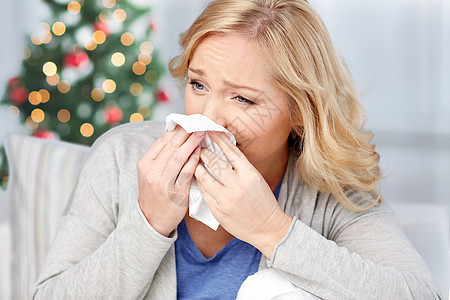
(229, 83)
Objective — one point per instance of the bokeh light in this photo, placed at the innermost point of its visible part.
(146, 48)
(104, 16)
(14, 111)
(136, 117)
(38, 115)
(109, 86)
(45, 27)
(63, 86)
(139, 68)
(97, 94)
(109, 3)
(127, 39)
(36, 40)
(145, 58)
(74, 7)
(63, 116)
(59, 28)
(45, 95)
(144, 110)
(119, 15)
(31, 124)
(53, 80)
(87, 130)
(34, 98)
(49, 68)
(47, 38)
(42, 35)
(99, 37)
(136, 89)
(118, 59)
(90, 44)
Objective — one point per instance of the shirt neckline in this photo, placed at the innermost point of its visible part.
(186, 236)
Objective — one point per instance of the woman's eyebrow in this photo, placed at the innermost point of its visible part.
(226, 82)
(197, 71)
(236, 86)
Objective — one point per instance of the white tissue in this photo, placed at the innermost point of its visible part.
(192, 123)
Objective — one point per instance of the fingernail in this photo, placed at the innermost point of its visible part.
(199, 133)
(197, 150)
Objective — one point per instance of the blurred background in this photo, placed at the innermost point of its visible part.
(398, 52)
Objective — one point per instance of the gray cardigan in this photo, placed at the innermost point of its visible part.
(105, 249)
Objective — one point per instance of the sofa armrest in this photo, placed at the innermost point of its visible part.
(42, 176)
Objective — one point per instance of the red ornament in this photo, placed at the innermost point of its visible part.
(113, 115)
(162, 96)
(44, 134)
(18, 94)
(154, 25)
(13, 82)
(99, 25)
(77, 59)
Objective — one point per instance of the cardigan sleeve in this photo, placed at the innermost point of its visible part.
(104, 247)
(363, 255)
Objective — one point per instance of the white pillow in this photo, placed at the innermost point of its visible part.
(41, 179)
(269, 284)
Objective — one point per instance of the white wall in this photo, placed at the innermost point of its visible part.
(399, 54)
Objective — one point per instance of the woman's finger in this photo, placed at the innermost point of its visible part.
(232, 153)
(211, 202)
(206, 182)
(167, 139)
(180, 156)
(174, 144)
(187, 172)
(158, 145)
(169, 147)
(180, 188)
(222, 171)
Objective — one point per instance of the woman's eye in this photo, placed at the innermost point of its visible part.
(243, 100)
(197, 86)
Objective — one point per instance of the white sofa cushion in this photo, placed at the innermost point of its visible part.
(42, 176)
(427, 226)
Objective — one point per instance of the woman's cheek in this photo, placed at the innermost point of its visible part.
(247, 136)
(189, 105)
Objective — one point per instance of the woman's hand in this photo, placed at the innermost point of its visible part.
(164, 178)
(242, 201)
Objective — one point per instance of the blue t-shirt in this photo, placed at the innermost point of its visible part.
(218, 277)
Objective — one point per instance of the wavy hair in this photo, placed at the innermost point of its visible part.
(336, 154)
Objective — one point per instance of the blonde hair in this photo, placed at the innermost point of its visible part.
(336, 154)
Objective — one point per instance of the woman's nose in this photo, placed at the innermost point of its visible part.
(214, 110)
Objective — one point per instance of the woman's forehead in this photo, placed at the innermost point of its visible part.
(230, 52)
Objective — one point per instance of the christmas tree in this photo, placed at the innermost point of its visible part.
(90, 68)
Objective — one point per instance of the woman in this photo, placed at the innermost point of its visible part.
(299, 195)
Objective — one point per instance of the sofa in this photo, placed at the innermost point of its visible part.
(42, 175)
